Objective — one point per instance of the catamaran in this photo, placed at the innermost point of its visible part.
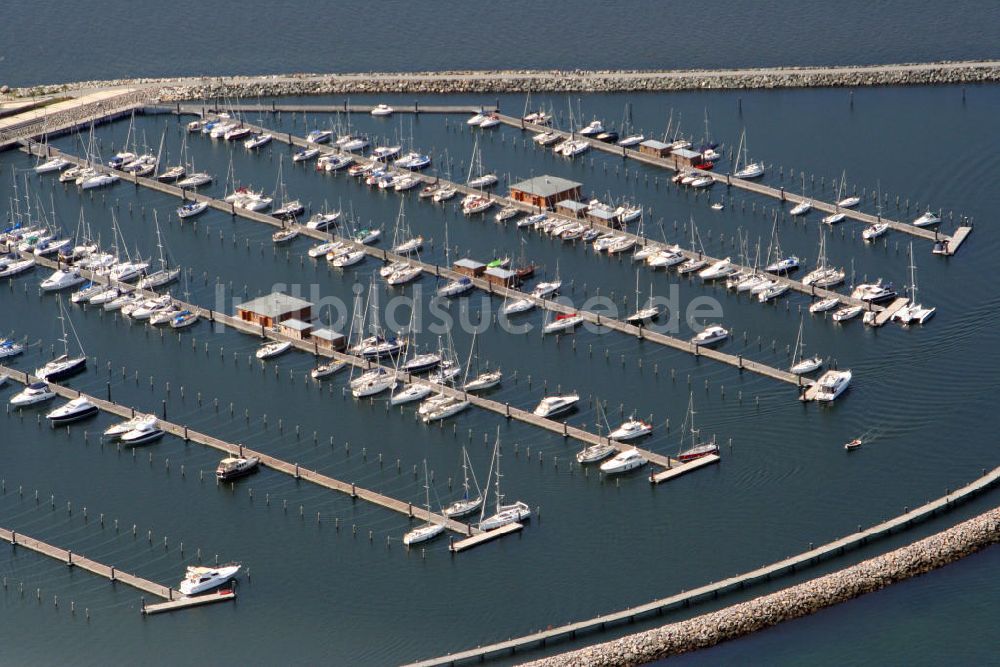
(913, 312)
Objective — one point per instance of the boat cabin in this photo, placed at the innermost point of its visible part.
(544, 192)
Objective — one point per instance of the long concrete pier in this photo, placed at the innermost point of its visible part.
(739, 582)
(756, 187)
(737, 361)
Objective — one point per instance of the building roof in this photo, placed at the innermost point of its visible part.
(297, 325)
(274, 304)
(686, 153)
(655, 145)
(327, 334)
(572, 205)
(499, 272)
(545, 186)
(467, 263)
(601, 214)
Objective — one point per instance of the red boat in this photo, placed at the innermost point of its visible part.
(698, 451)
(706, 166)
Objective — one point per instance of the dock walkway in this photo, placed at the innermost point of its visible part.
(735, 583)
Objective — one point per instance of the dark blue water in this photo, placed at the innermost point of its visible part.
(257, 37)
(338, 597)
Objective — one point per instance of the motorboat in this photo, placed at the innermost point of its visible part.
(664, 259)
(9, 348)
(563, 322)
(834, 218)
(319, 136)
(382, 110)
(849, 202)
(304, 154)
(121, 159)
(62, 279)
(273, 349)
(874, 231)
(710, 335)
(289, 210)
(874, 292)
(75, 410)
(476, 119)
(630, 459)
(491, 120)
(257, 140)
(367, 236)
(285, 234)
(853, 444)
(195, 180)
(144, 432)
(53, 164)
(630, 430)
(801, 208)
(383, 153)
(832, 384)
(34, 393)
(327, 369)
(115, 431)
(183, 319)
(631, 140)
(846, 313)
(773, 291)
(592, 129)
(127, 271)
(720, 269)
(201, 579)
(783, 265)
(927, 219)
(61, 367)
(553, 406)
(323, 221)
(234, 467)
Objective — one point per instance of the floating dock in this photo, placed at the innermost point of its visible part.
(188, 602)
(481, 538)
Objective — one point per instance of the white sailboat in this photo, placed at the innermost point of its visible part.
(913, 312)
(749, 169)
(469, 502)
(504, 514)
(800, 364)
(426, 531)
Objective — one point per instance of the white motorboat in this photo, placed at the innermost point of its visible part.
(832, 384)
(368, 236)
(664, 259)
(783, 265)
(234, 467)
(876, 292)
(631, 140)
(625, 461)
(34, 393)
(927, 219)
(874, 231)
(630, 430)
(257, 140)
(824, 305)
(476, 119)
(75, 410)
(382, 110)
(552, 406)
(593, 128)
(544, 290)
(115, 431)
(711, 334)
(319, 136)
(273, 349)
(720, 269)
(304, 154)
(9, 348)
(563, 322)
(847, 313)
(145, 431)
(62, 279)
(334, 162)
(801, 209)
(202, 579)
(183, 319)
(849, 202)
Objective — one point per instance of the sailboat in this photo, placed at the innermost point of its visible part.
(504, 514)
(477, 178)
(331, 366)
(805, 205)
(781, 265)
(468, 503)
(647, 313)
(693, 264)
(823, 275)
(800, 364)
(602, 450)
(426, 531)
(403, 242)
(697, 449)
(165, 275)
(631, 138)
(913, 312)
(749, 169)
(837, 215)
(64, 365)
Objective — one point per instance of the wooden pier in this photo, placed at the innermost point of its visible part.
(780, 194)
(476, 540)
(886, 313)
(188, 602)
(739, 582)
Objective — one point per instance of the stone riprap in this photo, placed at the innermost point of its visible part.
(790, 603)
